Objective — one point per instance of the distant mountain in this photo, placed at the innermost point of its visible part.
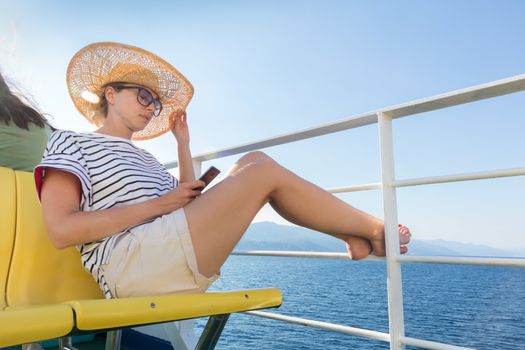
(441, 247)
(271, 236)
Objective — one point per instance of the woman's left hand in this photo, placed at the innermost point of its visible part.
(179, 127)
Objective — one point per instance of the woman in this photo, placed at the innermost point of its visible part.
(139, 230)
(23, 131)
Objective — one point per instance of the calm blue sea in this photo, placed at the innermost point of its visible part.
(474, 306)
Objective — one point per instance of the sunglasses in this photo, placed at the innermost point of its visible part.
(144, 97)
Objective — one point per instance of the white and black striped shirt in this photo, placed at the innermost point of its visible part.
(113, 172)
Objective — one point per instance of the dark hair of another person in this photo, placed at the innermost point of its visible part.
(12, 108)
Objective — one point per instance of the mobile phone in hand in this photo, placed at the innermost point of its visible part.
(208, 177)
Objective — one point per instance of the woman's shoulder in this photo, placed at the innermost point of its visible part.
(63, 132)
(71, 135)
(63, 138)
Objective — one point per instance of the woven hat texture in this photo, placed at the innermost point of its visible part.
(98, 64)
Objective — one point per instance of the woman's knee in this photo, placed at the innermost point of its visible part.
(254, 156)
(255, 160)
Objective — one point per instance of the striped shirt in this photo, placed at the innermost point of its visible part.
(113, 172)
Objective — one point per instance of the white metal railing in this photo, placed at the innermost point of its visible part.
(388, 185)
(355, 331)
(480, 175)
(455, 260)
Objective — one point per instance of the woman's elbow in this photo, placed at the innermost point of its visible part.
(60, 244)
(58, 238)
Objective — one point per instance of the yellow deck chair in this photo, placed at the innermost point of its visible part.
(7, 226)
(35, 323)
(41, 275)
(45, 322)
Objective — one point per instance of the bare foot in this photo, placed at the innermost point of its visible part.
(358, 248)
(378, 245)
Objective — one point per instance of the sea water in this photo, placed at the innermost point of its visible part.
(481, 307)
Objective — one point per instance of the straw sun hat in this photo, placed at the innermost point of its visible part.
(98, 64)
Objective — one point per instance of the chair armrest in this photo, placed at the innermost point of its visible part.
(22, 325)
(103, 314)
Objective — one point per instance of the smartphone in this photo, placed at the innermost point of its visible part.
(208, 177)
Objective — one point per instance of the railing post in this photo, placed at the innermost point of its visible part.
(197, 168)
(394, 281)
(113, 339)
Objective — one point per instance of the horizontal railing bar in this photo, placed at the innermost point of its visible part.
(324, 325)
(302, 254)
(361, 332)
(425, 344)
(330, 128)
(490, 174)
(456, 97)
(458, 260)
(461, 177)
(355, 188)
(514, 262)
(294, 254)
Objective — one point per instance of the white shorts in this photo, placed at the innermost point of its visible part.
(155, 258)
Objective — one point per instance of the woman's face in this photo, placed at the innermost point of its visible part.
(133, 105)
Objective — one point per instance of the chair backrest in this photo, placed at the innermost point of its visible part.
(7, 226)
(40, 273)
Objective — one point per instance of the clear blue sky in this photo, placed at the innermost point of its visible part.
(270, 67)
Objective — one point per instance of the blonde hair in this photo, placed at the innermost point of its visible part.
(102, 107)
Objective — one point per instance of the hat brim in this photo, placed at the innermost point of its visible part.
(93, 67)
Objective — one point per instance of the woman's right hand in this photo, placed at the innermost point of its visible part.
(179, 197)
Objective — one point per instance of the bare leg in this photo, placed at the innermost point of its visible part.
(219, 217)
(358, 248)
